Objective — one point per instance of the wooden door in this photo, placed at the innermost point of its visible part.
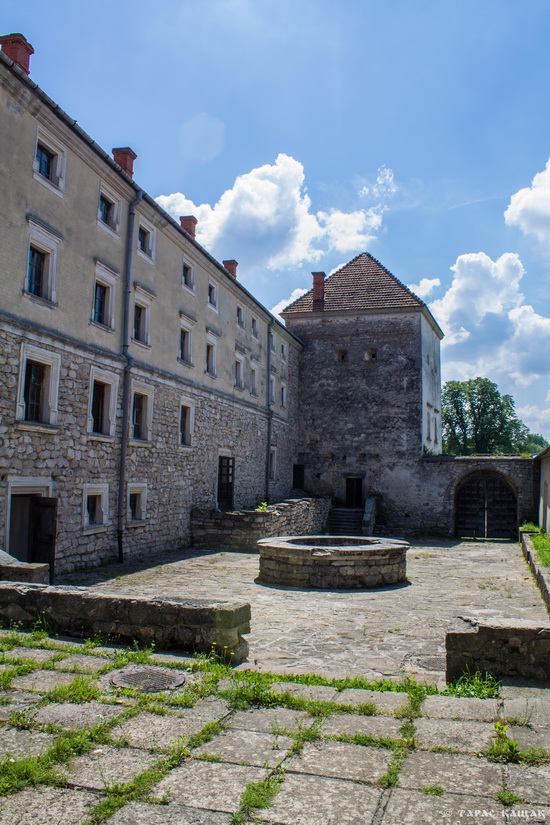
(42, 531)
(226, 479)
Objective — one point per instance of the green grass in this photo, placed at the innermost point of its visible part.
(508, 798)
(80, 690)
(478, 685)
(503, 749)
(257, 796)
(541, 543)
(432, 790)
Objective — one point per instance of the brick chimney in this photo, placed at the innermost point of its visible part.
(17, 48)
(125, 158)
(231, 267)
(318, 291)
(189, 223)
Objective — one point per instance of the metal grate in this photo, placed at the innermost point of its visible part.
(147, 679)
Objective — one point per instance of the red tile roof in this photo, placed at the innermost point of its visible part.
(362, 284)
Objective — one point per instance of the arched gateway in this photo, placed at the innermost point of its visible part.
(486, 507)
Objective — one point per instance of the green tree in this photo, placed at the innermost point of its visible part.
(476, 418)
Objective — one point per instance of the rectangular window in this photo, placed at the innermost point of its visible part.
(102, 402)
(139, 410)
(38, 387)
(272, 390)
(146, 239)
(254, 327)
(103, 303)
(283, 352)
(240, 316)
(139, 323)
(49, 162)
(100, 304)
(272, 344)
(210, 358)
(93, 509)
(95, 506)
(137, 503)
(253, 381)
(36, 273)
(106, 210)
(283, 396)
(141, 331)
(188, 276)
(100, 421)
(185, 425)
(45, 161)
(212, 295)
(185, 346)
(41, 262)
(239, 374)
(135, 506)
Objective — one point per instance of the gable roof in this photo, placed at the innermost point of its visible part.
(362, 284)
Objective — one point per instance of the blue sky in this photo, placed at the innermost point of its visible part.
(302, 133)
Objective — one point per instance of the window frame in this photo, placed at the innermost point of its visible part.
(144, 301)
(186, 357)
(254, 380)
(107, 279)
(190, 287)
(239, 372)
(136, 488)
(100, 491)
(105, 192)
(110, 380)
(52, 362)
(149, 254)
(240, 321)
(189, 405)
(283, 396)
(146, 392)
(212, 342)
(255, 327)
(46, 243)
(272, 389)
(213, 290)
(55, 182)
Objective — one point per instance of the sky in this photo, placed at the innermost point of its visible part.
(304, 132)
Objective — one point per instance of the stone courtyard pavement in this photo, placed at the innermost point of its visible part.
(231, 747)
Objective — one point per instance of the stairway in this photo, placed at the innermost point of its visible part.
(345, 521)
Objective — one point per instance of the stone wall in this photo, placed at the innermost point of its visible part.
(541, 574)
(511, 647)
(171, 623)
(13, 570)
(212, 529)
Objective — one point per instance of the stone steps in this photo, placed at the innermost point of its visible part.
(345, 521)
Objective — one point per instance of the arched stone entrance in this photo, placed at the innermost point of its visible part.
(486, 507)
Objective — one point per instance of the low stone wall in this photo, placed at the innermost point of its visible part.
(541, 574)
(332, 562)
(13, 570)
(192, 625)
(506, 647)
(212, 529)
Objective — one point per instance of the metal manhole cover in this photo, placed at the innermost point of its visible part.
(147, 679)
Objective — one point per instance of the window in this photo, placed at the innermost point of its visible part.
(137, 503)
(239, 373)
(273, 463)
(185, 350)
(212, 295)
(188, 276)
(142, 413)
(272, 344)
(38, 386)
(102, 403)
(142, 317)
(186, 423)
(49, 162)
(428, 426)
(103, 308)
(108, 209)
(283, 396)
(240, 316)
(146, 239)
(271, 389)
(41, 263)
(254, 326)
(253, 380)
(283, 352)
(95, 506)
(210, 367)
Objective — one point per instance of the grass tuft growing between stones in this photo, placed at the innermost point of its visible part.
(10, 673)
(257, 796)
(432, 790)
(503, 749)
(508, 798)
(81, 689)
(474, 685)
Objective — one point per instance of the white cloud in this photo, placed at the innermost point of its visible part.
(382, 188)
(425, 287)
(480, 287)
(266, 219)
(536, 418)
(295, 294)
(529, 209)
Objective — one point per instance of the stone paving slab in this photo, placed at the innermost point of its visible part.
(34, 654)
(387, 702)
(47, 805)
(71, 715)
(315, 692)
(270, 719)
(140, 813)
(153, 731)
(350, 724)
(530, 737)
(16, 701)
(14, 742)
(42, 681)
(535, 711)
(311, 800)
(245, 747)
(209, 785)
(455, 707)
(531, 783)
(454, 773)
(412, 808)
(340, 760)
(81, 663)
(106, 766)
(466, 736)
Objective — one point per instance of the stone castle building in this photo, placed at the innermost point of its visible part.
(140, 379)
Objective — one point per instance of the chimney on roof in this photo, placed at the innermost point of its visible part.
(189, 223)
(125, 158)
(318, 291)
(17, 48)
(231, 267)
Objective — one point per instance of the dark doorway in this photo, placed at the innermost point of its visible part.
(486, 507)
(298, 476)
(354, 492)
(33, 522)
(226, 477)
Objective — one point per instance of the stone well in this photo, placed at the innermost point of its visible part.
(332, 562)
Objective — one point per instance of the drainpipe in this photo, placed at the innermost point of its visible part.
(269, 410)
(126, 381)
